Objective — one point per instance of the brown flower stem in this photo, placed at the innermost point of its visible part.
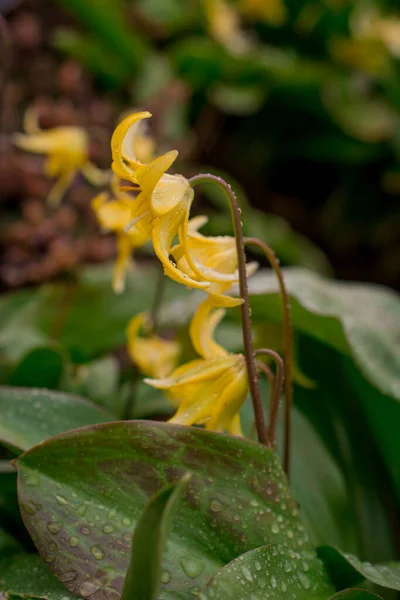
(275, 397)
(271, 381)
(158, 299)
(245, 307)
(287, 345)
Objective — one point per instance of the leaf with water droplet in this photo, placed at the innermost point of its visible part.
(263, 572)
(347, 570)
(29, 416)
(144, 574)
(236, 500)
(28, 575)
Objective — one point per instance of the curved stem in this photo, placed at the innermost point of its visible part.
(271, 381)
(276, 394)
(287, 345)
(245, 307)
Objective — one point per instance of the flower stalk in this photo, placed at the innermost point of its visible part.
(287, 345)
(276, 391)
(245, 306)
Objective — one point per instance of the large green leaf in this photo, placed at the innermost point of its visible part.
(360, 320)
(40, 368)
(347, 569)
(28, 416)
(143, 577)
(270, 572)
(60, 312)
(28, 575)
(81, 493)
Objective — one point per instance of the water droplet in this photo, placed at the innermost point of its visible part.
(126, 522)
(192, 568)
(275, 528)
(73, 541)
(289, 533)
(283, 586)
(253, 502)
(81, 510)
(85, 530)
(30, 508)
(247, 573)
(273, 581)
(54, 527)
(32, 478)
(165, 577)
(67, 576)
(97, 552)
(216, 505)
(305, 582)
(108, 528)
(61, 500)
(88, 588)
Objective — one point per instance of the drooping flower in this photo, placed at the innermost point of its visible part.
(130, 219)
(211, 390)
(155, 356)
(67, 149)
(167, 197)
(210, 257)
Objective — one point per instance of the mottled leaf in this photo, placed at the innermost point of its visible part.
(143, 577)
(28, 416)
(28, 575)
(273, 573)
(347, 569)
(82, 492)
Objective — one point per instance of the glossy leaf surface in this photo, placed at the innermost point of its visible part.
(82, 492)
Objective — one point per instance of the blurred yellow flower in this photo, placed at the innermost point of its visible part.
(272, 11)
(154, 356)
(224, 25)
(68, 152)
(211, 390)
(167, 197)
(130, 219)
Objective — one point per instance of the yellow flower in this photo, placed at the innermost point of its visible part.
(153, 355)
(210, 258)
(167, 197)
(130, 219)
(224, 25)
(68, 152)
(211, 390)
(271, 11)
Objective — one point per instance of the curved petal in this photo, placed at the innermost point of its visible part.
(164, 231)
(125, 163)
(231, 400)
(124, 250)
(169, 191)
(201, 331)
(195, 371)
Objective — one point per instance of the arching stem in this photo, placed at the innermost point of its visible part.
(275, 394)
(245, 307)
(287, 345)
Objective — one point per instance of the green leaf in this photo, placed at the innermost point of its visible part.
(29, 416)
(28, 575)
(8, 544)
(270, 572)
(83, 491)
(357, 319)
(347, 569)
(355, 594)
(143, 577)
(40, 368)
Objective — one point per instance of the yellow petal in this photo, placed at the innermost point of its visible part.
(125, 163)
(202, 328)
(170, 190)
(163, 233)
(60, 187)
(153, 355)
(231, 400)
(193, 372)
(124, 251)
